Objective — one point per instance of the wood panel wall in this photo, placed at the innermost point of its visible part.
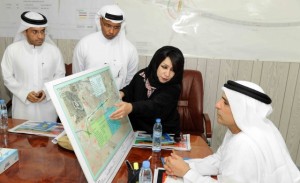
(279, 79)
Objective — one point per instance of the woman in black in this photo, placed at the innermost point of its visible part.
(153, 93)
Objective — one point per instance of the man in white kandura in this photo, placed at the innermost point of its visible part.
(253, 149)
(108, 46)
(27, 64)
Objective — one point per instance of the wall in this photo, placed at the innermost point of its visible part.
(281, 80)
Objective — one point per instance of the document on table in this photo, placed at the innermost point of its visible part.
(42, 128)
(183, 145)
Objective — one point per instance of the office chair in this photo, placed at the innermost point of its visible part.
(190, 106)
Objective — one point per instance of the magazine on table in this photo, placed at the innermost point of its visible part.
(144, 140)
(44, 128)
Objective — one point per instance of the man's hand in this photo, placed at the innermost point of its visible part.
(41, 95)
(35, 97)
(175, 165)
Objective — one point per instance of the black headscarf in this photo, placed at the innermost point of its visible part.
(160, 55)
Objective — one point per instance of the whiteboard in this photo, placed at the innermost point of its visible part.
(265, 30)
(67, 19)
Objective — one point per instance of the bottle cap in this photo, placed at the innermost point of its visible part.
(146, 164)
(158, 120)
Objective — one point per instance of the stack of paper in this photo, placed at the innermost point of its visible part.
(144, 140)
(144, 137)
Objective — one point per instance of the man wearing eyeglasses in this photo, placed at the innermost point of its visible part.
(32, 60)
(108, 46)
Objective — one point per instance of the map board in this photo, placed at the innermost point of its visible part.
(67, 19)
(84, 102)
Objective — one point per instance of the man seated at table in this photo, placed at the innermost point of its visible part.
(253, 149)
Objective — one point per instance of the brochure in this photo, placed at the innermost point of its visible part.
(168, 141)
(7, 158)
(45, 128)
(145, 137)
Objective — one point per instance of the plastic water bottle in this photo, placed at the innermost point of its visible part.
(145, 175)
(156, 137)
(3, 116)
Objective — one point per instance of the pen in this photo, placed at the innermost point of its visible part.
(55, 140)
(129, 166)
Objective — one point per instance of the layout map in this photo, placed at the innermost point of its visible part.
(87, 102)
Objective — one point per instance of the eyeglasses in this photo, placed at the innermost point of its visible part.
(108, 26)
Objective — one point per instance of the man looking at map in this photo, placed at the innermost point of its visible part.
(32, 60)
(253, 149)
(108, 46)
